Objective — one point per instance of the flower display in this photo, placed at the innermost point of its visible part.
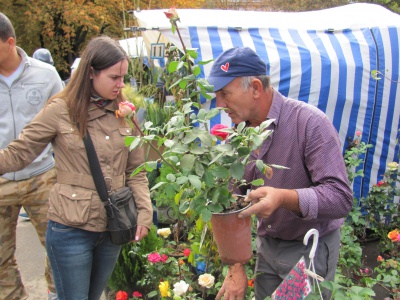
(121, 295)
(206, 280)
(125, 109)
(180, 288)
(164, 289)
(216, 130)
(164, 232)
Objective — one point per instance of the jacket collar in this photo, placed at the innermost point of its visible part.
(95, 112)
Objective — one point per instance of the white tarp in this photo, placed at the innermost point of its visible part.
(134, 47)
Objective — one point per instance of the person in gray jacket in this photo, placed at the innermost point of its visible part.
(25, 86)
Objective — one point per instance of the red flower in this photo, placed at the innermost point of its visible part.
(154, 257)
(216, 131)
(137, 294)
(380, 258)
(380, 183)
(186, 252)
(163, 258)
(250, 282)
(121, 295)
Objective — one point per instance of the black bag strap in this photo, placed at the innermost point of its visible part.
(95, 168)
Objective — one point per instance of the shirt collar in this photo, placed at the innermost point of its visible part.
(276, 107)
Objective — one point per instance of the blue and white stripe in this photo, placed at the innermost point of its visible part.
(325, 65)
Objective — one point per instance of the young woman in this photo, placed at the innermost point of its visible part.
(79, 247)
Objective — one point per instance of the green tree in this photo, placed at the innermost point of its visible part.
(64, 27)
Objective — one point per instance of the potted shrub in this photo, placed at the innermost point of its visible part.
(204, 169)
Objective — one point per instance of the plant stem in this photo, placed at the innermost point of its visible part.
(152, 146)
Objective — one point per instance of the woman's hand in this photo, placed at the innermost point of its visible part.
(141, 232)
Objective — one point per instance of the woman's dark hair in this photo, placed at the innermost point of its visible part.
(100, 53)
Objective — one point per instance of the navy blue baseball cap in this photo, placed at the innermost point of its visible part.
(233, 63)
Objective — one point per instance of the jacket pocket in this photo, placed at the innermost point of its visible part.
(71, 138)
(75, 204)
(118, 136)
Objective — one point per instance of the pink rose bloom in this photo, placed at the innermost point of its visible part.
(216, 131)
(154, 257)
(137, 294)
(172, 14)
(380, 183)
(186, 252)
(358, 133)
(164, 258)
(125, 108)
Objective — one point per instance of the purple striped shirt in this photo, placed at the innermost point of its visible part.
(305, 141)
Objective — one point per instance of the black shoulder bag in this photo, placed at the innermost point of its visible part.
(119, 205)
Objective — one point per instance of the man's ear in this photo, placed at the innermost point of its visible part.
(257, 86)
(11, 42)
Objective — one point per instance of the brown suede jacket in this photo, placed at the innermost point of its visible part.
(74, 200)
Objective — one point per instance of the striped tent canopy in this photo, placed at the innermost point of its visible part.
(321, 57)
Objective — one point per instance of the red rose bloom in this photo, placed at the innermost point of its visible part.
(216, 131)
(121, 295)
(164, 258)
(186, 252)
(380, 183)
(137, 294)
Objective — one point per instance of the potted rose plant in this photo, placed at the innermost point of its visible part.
(204, 168)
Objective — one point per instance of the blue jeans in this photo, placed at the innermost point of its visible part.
(82, 261)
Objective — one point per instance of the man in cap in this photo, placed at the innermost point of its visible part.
(314, 193)
(43, 55)
(25, 86)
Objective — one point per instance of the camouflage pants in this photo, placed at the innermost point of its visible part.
(32, 194)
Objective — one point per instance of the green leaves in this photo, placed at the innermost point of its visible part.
(198, 170)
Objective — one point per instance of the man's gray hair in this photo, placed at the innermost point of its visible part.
(265, 80)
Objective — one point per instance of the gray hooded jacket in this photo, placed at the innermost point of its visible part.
(21, 102)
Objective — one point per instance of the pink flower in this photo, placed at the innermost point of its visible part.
(380, 183)
(216, 131)
(172, 14)
(380, 258)
(163, 258)
(358, 133)
(125, 108)
(186, 252)
(136, 294)
(154, 257)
